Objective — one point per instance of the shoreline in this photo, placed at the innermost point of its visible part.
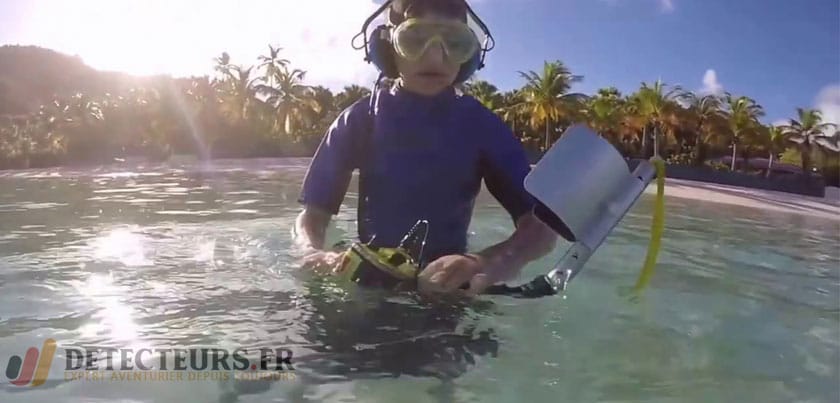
(827, 207)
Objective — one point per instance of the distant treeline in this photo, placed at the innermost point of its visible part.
(54, 110)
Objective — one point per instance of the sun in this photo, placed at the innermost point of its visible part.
(137, 37)
(183, 37)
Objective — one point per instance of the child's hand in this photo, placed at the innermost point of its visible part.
(449, 273)
(323, 262)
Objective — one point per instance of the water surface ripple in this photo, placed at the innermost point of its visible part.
(743, 307)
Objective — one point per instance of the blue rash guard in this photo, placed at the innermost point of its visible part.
(424, 158)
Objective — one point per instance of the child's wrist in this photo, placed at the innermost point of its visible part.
(501, 263)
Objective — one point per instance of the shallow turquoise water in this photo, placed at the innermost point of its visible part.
(745, 305)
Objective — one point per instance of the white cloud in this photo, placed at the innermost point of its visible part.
(711, 85)
(828, 102)
(183, 37)
(664, 5)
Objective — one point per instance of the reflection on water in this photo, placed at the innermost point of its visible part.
(743, 307)
(122, 246)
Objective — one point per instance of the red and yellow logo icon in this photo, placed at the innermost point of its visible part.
(33, 368)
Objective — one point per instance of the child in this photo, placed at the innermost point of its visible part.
(422, 151)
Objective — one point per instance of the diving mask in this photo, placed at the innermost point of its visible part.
(414, 36)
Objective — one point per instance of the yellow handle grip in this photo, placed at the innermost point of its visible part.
(657, 227)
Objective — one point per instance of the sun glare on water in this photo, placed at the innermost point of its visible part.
(123, 246)
(112, 317)
(183, 37)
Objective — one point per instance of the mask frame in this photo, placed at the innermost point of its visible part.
(379, 49)
(409, 51)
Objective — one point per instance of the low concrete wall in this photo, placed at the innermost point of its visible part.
(798, 184)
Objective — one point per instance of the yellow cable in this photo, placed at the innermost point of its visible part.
(657, 226)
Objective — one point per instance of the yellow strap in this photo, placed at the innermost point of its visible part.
(657, 227)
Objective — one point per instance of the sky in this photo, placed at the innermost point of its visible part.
(783, 53)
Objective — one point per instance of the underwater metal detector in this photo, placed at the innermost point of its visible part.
(583, 188)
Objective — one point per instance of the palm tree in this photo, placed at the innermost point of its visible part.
(632, 126)
(204, 106)
(16, 142)
(350, 95)
(324, 98)
(222, 63)
(706, 110)
(68, 125)
(774, 139)
(238, 92)
(511, 111)
(544, 96)
(605, 112)
(85, 109)
(487, 94)
(45, 128)
(292, 99)
(809, 132)
(742, 120)
(200, 91)
(325, 112)
(272, 64)
(654, 103)
(676, 130)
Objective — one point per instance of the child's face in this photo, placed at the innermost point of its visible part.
(432, 72)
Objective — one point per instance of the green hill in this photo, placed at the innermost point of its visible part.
(31, 76)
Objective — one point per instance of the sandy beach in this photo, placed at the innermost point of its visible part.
(827, 207)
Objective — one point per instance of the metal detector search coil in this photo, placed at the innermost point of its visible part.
(584, 188)
(393, 268)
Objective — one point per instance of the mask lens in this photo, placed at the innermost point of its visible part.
(460, 43)
(412, 41)
(413, 37)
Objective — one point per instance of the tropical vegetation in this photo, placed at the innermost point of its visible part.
(270, 109)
